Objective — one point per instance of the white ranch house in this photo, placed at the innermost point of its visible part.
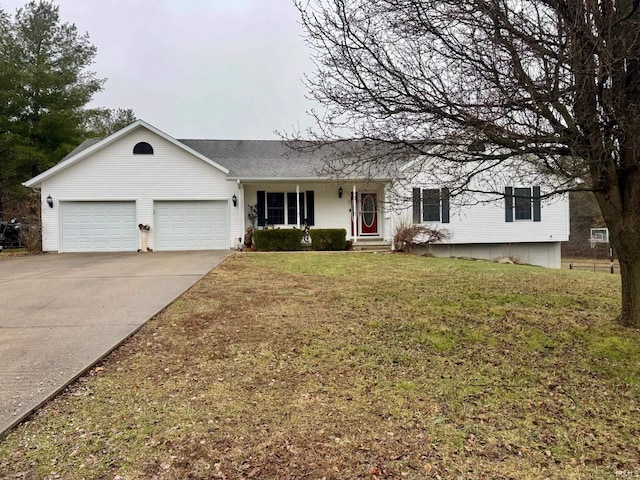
(194, 195)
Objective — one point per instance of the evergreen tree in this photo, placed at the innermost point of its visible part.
(44, 85)
(102, 122)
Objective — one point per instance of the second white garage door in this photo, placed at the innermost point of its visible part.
(191, 225)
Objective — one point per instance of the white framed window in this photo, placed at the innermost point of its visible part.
(142, 148)
(281, 208)
(522, 204)
(431, 205)
(275, 208)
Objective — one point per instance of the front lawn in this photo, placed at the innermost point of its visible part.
(348, 365)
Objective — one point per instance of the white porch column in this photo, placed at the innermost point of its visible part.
(354, 214)
(298, 205)
(242, 212)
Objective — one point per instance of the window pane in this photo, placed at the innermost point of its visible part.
(291, 208)
(431, 205)
(275, 208)
(143, 148)
(292, 212)
(310, 214)
(368, 210)
(522, 203)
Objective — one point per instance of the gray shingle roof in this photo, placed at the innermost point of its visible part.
(262, 158)
(273, 159)
(83, 146)
(276, 159)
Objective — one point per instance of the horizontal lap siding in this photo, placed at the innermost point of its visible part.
(114, 173)
(485, 222)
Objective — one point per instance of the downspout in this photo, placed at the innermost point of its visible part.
(243, 215)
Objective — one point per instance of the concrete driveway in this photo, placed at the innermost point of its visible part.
(60, 313)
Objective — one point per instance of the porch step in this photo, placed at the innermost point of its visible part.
(371, 245)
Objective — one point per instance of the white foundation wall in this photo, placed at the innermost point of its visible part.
(541, 254)
(115, 173)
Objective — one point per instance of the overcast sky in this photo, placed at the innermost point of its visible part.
(223, 69)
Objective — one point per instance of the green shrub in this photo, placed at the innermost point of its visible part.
(281, 239)
(328, 238)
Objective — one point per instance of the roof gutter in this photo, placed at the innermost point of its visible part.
(306, 179)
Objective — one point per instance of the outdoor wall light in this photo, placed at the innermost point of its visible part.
(234, 199)
(50, 201)
(340, 191)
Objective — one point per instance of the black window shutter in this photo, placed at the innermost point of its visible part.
(310, 207)
(444, 193)
(416, 206)
(536, 204)
(508, 204)
(261, 210)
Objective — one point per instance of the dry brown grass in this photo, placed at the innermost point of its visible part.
(356, 366)
(14, 252)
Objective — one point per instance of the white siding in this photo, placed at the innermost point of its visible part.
(480, 218)
(480, 230)
(114, 173)
(485, 223)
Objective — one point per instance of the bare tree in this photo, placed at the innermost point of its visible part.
(547, 86)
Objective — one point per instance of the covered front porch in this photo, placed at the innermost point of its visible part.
(358, 207)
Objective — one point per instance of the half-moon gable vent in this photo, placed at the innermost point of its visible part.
(143, 148)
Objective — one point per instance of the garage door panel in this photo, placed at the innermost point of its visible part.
(98, 226)
(191, 225)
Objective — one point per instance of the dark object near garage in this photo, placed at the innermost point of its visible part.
(10, 234)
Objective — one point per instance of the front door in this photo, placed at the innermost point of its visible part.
(368, 214)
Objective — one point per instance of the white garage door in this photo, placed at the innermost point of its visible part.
(99, 226)
(191, 225)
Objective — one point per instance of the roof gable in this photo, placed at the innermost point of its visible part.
(254, 160)
(89, 147)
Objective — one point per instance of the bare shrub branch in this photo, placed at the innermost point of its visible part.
(409, 235)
